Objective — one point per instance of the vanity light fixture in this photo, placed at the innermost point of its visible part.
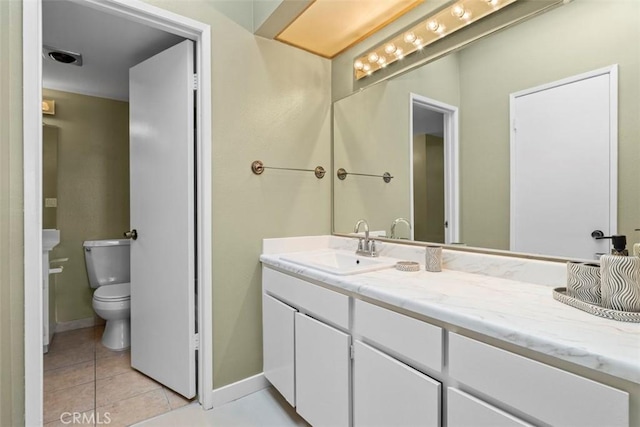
(446, 21)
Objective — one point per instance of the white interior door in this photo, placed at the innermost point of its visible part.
(162, 212)
(563, 166)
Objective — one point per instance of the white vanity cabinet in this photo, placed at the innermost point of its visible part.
(323, 369)
(278, 346)
(387, 392)
(464, 410)
(306, 357)
(548, 394)
(343, 361)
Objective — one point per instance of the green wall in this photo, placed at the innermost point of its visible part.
(566, 41)
(93, 188)
(11, 229)
(270, 102)
(371, 135)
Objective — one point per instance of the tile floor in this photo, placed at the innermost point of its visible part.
(265, 408)
(82, 376)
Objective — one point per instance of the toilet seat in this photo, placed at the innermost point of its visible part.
(113, 293)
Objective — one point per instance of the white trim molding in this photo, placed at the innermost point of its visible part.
(451, 164)
(32, 164)
(149, 15)
(239, 389)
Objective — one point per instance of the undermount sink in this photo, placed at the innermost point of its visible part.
(339, 262)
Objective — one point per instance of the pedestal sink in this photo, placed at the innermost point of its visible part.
(50, 239)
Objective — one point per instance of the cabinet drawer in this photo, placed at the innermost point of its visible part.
(389, 393)
(307, 297)
(464, 410)
(408, 339)
(549, 394)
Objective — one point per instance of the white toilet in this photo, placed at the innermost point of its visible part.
(108, 267)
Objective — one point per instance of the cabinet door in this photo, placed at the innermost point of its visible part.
(278, 347)
(464, 410)
(387, 392)
(322, 373)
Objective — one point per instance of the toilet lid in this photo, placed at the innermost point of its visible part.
(119, 292)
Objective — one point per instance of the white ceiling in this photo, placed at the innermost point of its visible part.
(109, 46)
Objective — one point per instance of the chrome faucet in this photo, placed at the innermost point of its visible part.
(396, 222)
(366, 246)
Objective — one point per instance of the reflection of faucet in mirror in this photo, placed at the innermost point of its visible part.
(366, 247)
(396, 222)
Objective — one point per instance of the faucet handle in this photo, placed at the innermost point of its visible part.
(360, 244)
(373, 248)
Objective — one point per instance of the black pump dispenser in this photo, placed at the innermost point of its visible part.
(619, 243)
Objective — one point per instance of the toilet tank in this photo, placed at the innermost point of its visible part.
(107, 261)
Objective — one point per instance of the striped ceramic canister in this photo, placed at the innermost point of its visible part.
(583, 282)
(620, 282)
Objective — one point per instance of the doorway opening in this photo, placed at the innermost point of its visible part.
(150, 17)
(433, 166)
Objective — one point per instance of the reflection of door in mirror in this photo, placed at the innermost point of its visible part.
(428, 174)
(428, 188)
(434, 174)
(49, 176)
(564, 178)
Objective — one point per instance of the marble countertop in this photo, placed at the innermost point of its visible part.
(517, 312)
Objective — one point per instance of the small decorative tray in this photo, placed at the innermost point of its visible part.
(560, 294)
(407, 266)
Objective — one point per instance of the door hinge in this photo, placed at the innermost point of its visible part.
(195, 82)
(513, 125)
(352, 352)
(196, 341)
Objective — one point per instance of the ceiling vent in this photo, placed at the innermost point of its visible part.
(63, 56)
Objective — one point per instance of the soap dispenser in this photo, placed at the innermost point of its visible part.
(619, 244)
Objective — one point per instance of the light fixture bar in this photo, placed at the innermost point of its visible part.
(434, 27)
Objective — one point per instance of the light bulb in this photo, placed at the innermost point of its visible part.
(458, 11)
(418, 43)
(409, 37)
(358, 65)
(382, 61)
(399, 53)
(390, 48)
(433, 26)
(373, 57)
(366, 68)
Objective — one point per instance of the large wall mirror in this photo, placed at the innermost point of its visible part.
(444, 132)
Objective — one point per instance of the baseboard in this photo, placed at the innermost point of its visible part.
(239, 389)
(78, 324)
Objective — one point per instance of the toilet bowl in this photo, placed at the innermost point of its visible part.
(108, 268)
(113, 304)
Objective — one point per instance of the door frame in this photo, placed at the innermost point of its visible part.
(612, 71)
(145, 14)
(451, 164)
